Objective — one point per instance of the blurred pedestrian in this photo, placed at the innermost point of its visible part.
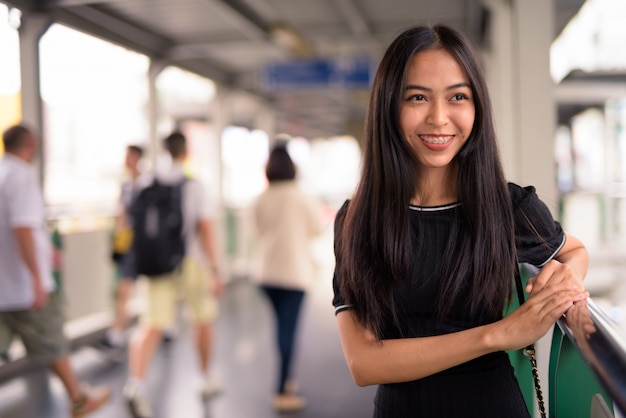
(285, 220)
(30, 304)
(195, 273)
(126, 274)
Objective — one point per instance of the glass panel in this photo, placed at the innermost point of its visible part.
(94, 100)
(244, 154)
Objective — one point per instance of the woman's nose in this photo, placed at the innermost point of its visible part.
(437, 115)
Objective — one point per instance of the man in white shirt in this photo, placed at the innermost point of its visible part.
(30, 306)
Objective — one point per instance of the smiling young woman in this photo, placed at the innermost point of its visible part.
(427, 247)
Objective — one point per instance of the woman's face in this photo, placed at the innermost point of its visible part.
(437, 111)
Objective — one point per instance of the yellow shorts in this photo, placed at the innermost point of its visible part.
(193, 282)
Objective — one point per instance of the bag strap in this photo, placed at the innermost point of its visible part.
(530, 350)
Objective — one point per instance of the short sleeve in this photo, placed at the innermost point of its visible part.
(198, 201)
(538, 236)
(338, 300)
(25, 206)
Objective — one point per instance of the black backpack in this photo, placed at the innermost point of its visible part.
(157, 218)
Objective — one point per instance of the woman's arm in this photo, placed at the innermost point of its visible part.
(401, 360)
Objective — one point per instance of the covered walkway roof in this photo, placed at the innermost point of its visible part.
(233, 41)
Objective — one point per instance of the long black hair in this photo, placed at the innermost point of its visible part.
(374, 241)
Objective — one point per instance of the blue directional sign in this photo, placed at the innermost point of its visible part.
(319, 73)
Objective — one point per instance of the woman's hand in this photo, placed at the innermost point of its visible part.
(551, 297)
(554, 272)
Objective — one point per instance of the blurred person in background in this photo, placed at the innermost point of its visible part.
(285, 221)
(197, 277)
(31, 305)
(126, 274)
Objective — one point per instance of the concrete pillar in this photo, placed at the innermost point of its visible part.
(534, 23)
(218, 119)
(156, 66)
(497, 56)
(517, 66)
(32, 28)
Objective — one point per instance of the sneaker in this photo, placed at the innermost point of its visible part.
(92, 399)
(288, 403)
(210, 388)
(138, 404)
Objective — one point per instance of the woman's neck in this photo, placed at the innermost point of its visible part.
(437, 187)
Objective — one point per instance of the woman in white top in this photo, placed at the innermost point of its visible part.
(285, 221)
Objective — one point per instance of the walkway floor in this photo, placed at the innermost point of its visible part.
(245, 362)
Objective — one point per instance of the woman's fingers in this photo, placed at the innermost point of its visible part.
(551, 306)
(553, 272)
(535, 317)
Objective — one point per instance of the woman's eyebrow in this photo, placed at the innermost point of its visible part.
(423, 88)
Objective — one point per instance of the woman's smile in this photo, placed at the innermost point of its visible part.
(436, 139)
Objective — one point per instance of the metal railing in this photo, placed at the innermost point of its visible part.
(601, 344)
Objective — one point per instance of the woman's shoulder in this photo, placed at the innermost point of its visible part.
(528, 205)
(519, 193)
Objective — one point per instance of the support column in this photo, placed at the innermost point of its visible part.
(156, 66)
(533, 21)
(32, 28)
(517, 67)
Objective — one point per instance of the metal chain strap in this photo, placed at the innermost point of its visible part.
(530, 352)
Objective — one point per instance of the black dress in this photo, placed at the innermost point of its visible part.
(483, 387)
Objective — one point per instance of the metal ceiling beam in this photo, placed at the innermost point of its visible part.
(130, 32)
(106, 26)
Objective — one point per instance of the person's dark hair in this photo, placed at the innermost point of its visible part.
(374, 246)
(175, 144)
(137, 149)
(15, 137)
(279, 165)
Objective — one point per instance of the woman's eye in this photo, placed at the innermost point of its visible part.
(416, 97)
(459, 96)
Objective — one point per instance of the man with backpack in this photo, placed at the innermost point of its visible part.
(175, 252)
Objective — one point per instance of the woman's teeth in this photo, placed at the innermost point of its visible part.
(436, 139)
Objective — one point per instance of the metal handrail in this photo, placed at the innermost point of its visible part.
(600, 342)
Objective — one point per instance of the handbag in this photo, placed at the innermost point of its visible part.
(530, 351)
